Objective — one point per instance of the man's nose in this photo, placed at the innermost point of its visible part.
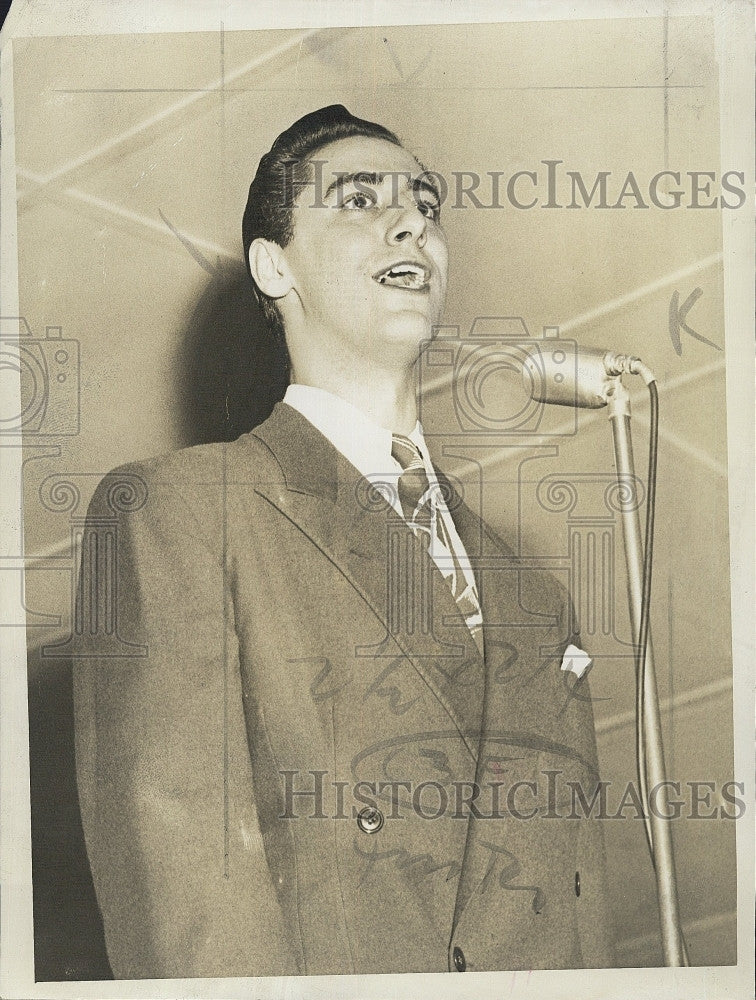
(409, 224)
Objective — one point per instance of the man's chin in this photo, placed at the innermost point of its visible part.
(411, 323)
(407, 330)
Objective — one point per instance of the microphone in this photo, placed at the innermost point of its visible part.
(569, 375)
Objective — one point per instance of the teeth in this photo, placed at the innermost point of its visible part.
(404, 276)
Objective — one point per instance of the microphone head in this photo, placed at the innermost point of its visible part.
(568, 376)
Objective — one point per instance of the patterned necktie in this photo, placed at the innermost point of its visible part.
(417, 498)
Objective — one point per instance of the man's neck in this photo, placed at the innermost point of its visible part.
(387, 399)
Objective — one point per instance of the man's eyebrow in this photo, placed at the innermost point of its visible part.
(420, 183)
(342, 179)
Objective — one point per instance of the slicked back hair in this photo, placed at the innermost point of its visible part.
(268, 214)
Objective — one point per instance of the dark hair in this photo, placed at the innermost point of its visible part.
(268, 214)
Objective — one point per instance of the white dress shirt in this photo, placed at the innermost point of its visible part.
(368, 447)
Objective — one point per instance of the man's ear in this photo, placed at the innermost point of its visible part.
(268, 266)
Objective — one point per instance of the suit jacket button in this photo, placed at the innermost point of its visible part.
(458, 957)
(370, 820)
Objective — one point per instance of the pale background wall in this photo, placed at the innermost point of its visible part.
(124, 141)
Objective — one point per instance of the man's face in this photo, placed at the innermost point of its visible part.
(368, 261)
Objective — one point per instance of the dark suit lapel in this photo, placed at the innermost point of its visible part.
(516, 700)
(374, 548)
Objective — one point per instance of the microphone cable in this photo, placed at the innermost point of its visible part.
(645, 615)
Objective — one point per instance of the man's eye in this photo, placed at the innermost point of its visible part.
(430, 209)
(358, 200)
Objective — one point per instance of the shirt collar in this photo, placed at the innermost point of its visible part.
(360, 440)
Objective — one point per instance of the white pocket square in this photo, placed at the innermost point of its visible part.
(576, 660)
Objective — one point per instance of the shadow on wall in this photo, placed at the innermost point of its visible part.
(231, 370)
(69, 942)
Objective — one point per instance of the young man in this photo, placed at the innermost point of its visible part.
(340, 746)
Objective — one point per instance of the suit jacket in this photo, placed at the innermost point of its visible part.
(282, 720)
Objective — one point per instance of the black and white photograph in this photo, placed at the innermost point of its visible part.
(377, 500)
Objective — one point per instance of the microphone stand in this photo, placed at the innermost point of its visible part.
(660, 834)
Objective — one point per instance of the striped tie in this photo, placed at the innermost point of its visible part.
(418, 501)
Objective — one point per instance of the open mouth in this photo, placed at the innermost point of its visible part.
(405, 274)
